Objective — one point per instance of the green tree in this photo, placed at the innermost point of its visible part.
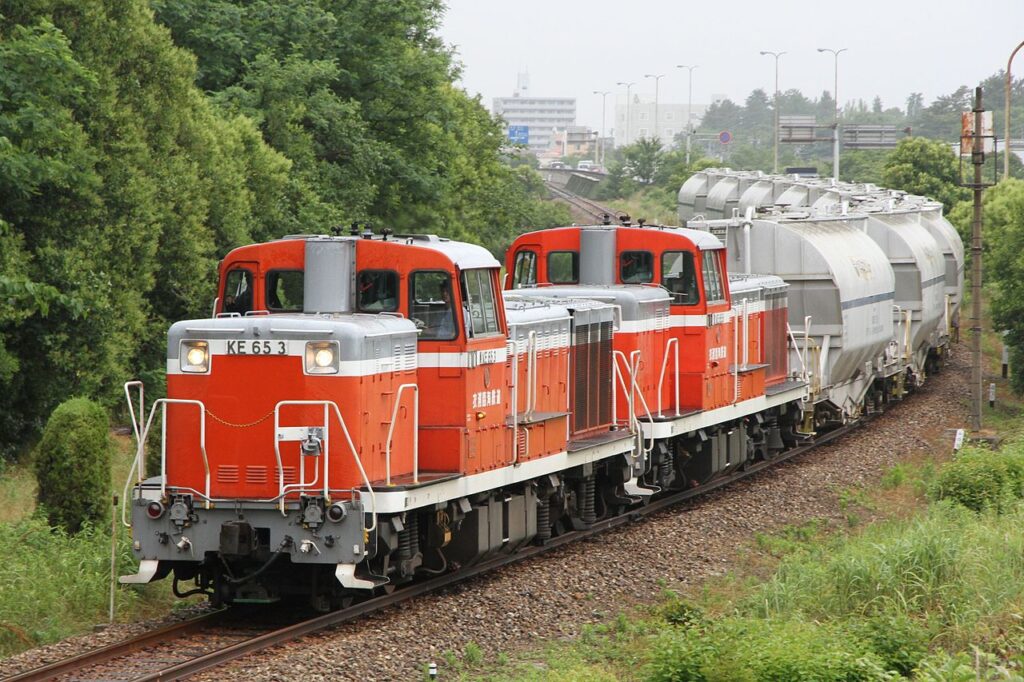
(120, 185)
(643, 159)
(73, 464)
(1003, 210)
(925, 167)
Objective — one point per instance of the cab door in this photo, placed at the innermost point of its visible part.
(487, 387)
(240, 290)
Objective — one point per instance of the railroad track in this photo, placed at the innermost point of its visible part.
(174, 652)
(582, 204)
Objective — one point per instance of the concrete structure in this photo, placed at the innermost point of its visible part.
(671, 119)
(542, 115)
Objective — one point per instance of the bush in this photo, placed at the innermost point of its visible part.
(73, 464)
(982, 479)
(56, 584)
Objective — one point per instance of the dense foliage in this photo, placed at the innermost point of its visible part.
(1003, 237)
(128, 166)
(35, 612)
(73, 464)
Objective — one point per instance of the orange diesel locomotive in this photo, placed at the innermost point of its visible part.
(363, 409)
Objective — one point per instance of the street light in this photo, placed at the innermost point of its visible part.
(835, 118)
(776, 55)
(689, 107)
(629, 85)
(604, 98)
(657, 78)
(1009, 89)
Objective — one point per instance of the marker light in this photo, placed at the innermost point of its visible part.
(195, 357)
(322, 357)
(154, 510)
(336, 513)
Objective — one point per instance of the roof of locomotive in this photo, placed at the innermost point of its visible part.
(463, 255)
(702, 240)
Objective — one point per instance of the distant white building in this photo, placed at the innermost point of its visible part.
(671, 119)
(541, 115)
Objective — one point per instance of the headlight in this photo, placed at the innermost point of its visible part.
(195, 356)
(322, 357)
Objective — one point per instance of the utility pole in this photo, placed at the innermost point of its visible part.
(835, 118)
(1009, 89)
(604, 99)
(657, 78)
(977, 146)
(776, 107)
(625, 136)
(689, 108)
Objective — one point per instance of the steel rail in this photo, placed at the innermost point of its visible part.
(582, 203)
(115, 650)
(183, 670)
(232, 652)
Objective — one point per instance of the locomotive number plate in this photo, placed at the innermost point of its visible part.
(255, 347)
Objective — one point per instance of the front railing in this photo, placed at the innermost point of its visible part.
(142, 429)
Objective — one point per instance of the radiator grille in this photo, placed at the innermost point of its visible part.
(255, 474)
(592, 376)
(227, 473)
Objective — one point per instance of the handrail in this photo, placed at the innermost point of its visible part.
(415, 433)
(303, 484)
(632, 366)
(515, 397)
(674, 341)
(163, 403)
(634, 370)
(531, 373)
(348, 438)
(735, 358)
(622, 382)
(138, 464)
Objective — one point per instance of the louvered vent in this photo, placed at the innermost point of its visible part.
(592, 377)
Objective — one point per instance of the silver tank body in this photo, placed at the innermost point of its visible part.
(952, 252)
(919, 272)
(841, 279)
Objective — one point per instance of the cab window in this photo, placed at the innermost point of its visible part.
(564, 267)
(679, 276)
(284, 291)
(524, 270)
(714, 286)
(238, 291)
(430, 305)
(478, 292)
(377, 291)
(636, 267)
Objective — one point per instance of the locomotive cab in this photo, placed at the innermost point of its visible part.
(292, 409)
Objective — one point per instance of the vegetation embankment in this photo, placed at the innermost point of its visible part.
(55, 583)
(932, 595)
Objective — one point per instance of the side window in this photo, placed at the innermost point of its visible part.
(238, 291)
(679, 276)
(524, 270)
(564, 267)
(714, 287)
(284, 291)
(430, 305)
(377, 291)
(478, 290)
(636, 267)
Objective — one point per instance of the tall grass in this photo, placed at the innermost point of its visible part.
(54, 585)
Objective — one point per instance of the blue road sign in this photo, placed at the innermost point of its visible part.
(519, 134)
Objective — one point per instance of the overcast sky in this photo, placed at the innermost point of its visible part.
(573, 47)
